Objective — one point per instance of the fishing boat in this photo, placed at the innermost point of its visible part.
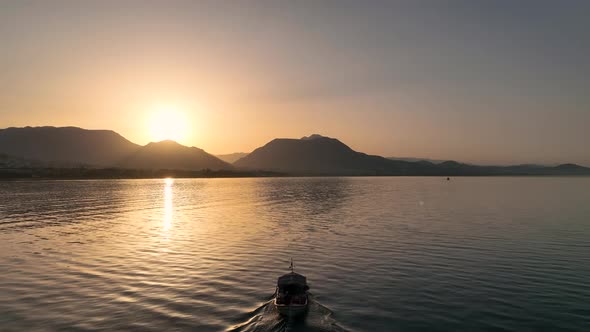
(291, 295)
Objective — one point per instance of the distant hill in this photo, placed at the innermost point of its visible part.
(319, 155)
(7, 161)
(66, 145)
(455, 168)
(171, 155)
(412, 159)
(231, 157)
(74, 147)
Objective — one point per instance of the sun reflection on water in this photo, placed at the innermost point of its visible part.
(168, 206)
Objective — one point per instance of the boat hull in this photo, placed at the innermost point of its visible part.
(291, 310)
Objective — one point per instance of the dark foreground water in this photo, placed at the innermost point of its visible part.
(381, 254)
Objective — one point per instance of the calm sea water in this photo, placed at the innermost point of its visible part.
(381, 254)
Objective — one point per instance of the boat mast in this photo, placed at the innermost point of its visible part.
(291, 266)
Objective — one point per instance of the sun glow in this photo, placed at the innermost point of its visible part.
(168, 123)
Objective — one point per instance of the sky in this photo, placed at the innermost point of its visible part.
(489, 82)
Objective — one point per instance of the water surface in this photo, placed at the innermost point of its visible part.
(381, 254)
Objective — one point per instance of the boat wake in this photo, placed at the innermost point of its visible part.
(266, 318)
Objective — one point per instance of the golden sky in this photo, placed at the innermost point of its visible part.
(492, 84)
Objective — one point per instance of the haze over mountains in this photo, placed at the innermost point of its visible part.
(231, 157)
(312, 155)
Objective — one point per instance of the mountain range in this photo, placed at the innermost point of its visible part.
(69, 147)
(74, 147)
(319, 155)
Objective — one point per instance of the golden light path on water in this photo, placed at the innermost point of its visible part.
(168, 203)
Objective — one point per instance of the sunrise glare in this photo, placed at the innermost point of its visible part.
(168, 122)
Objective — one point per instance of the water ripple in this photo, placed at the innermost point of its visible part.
(381, 254)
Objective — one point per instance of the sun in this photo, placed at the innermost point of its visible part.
(168, 123)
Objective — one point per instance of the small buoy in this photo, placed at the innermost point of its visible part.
(448, 179)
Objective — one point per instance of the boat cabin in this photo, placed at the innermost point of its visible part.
(292, 289)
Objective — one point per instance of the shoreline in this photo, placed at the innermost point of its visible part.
(19, 174)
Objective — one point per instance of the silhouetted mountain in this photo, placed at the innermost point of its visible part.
(231, 157)
(7, 161)
(73, 147)
(65, 145)
(412, 159)
(171, 155)
(312, 137)
(455, 168)
(69, 147)
(319, 155)
(570, 167)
